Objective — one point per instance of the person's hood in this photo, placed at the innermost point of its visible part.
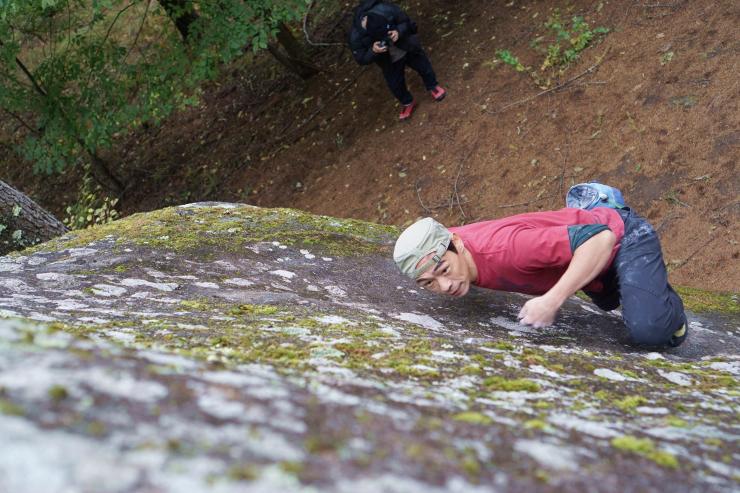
(362, 8)
(377, 26)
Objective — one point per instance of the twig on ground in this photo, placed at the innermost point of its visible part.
(22, 122)
(663, 5)
(455, 194)
(418, 196)
(592, 83)
(670, 217)
(677, 201)
(138, 33)
(731, 204)
(305, 30)
(446, 205)
(672, 8)
(555, 88)
(626, 13)
(562, 172)
(717, 215)
(677, 265)
(519, 204)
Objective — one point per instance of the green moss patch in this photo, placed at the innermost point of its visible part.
(11, 409)
(513, 385)
(697, 300)
(631, 402)
(244, 472)
(501, 345)
(198, 228)
(676, 422)
(255, 310)
(646, 448)
(535, 424)
(473, 417)
(57, 393)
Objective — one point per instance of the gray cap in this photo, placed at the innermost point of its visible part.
(416, 242)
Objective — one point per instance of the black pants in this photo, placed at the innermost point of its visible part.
(638, 281)
(395, 75)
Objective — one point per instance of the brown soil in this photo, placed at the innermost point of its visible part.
(664, 128)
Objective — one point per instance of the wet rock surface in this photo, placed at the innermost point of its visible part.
(220, 347)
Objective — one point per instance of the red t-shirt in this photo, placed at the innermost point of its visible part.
(528, 253)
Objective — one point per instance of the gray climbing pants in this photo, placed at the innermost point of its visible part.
(638, 281)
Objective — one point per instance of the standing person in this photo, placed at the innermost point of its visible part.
(384, 34)
(613, 254)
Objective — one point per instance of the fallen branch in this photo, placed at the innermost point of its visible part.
(305, 29)
(22, 122)
(555, 88)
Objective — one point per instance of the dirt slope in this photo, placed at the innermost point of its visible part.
(657, 115)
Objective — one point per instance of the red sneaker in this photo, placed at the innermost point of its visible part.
(406, 111)
(438, 93)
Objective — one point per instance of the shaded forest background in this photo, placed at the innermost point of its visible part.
(110, 108)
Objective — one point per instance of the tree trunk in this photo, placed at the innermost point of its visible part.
(19, 213)
(295, 57)
(102, 174)
(182, 14)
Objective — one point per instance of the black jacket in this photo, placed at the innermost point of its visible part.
(361, 43)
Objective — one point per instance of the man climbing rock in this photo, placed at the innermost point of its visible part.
(613, 254)
(384, 34)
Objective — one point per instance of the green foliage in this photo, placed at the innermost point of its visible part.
(80, 73)
(568, 43)
(91, 208)
(560, 45)
(509, 59)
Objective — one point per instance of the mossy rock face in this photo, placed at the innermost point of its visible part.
(230, 227)
(232, 348)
